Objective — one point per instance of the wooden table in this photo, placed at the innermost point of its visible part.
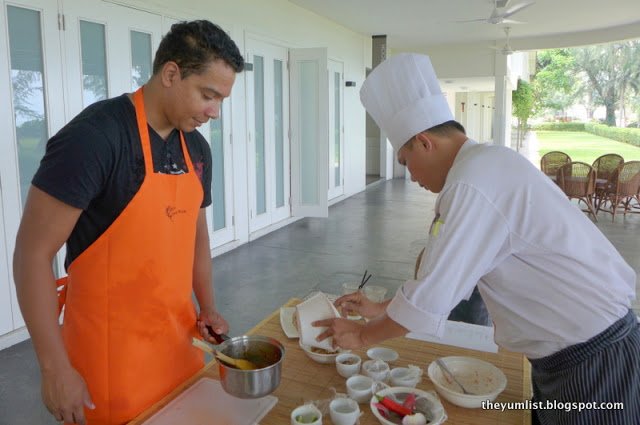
(303, 379)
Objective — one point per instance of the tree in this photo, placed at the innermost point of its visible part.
(555, 87)
(611, 70)
(522, 101)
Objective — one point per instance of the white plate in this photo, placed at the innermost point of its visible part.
(286, 322)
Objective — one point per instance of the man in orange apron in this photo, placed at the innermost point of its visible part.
(125, 185)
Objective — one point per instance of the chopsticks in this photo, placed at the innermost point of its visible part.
(364, 280)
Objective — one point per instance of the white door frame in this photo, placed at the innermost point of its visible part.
(309, 132)
(336, 67)
(270, 53)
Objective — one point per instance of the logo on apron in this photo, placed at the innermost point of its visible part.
(173, 211)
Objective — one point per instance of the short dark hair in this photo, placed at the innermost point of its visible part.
(193, 45)
(446, 128)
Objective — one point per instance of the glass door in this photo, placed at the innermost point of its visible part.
(222, 223)
(109, 50)
(309, 132)
(336, 129)
(33, 110)
(268, 123)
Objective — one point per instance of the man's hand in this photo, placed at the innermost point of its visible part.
(346, 333)
(214, 319)
(65, 395)
(358, 304)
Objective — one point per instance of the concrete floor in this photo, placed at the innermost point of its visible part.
(381, 229)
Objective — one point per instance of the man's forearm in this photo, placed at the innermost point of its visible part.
(203, 289)
(202, 281)
(380, 329)
(202, 268)
(38, 301)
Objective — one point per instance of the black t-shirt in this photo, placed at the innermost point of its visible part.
(95, 163)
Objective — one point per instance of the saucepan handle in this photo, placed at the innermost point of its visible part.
(220, 338)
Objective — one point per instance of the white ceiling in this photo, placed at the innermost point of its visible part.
(416, 25)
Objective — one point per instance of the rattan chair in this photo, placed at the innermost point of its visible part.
(552, 161)
(622, 189)
(606, 164)
(578, 181)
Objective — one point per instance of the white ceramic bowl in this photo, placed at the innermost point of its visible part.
(381, 353)
(306, 413)
(320, 357)
(376, 370)
(375, 293)
(359, 388)
(344, 411)
(479, 377)
(435, 412)
(404, 377)
(348, 364)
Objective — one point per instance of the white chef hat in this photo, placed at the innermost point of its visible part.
(403, 97)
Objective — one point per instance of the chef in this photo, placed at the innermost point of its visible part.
(555, 287)
(125, 185)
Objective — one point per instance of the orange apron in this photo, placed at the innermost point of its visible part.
(129, 315)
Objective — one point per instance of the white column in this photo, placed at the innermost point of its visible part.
(501, 122)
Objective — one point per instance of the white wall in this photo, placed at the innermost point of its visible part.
(456, 61)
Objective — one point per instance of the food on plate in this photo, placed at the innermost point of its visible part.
(349, 361)
(321, 350)
(403, 409)
(294, 319)
(415, 419)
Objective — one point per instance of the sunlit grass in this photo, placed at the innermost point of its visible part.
(584, 147)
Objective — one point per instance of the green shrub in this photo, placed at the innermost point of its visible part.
(560, 126)
(625, 135)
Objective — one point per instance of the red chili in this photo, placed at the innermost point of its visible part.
(410, 402)
(398, 408)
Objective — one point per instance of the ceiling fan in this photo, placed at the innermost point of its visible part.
(506, 49)
(501, 17)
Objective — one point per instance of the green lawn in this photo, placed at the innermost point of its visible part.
(584, 147)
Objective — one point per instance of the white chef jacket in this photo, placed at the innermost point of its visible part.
(549, 277)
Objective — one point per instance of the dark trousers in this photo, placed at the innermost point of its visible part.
(604, 369)
(471, 311)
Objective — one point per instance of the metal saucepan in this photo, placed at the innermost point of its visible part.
(266, 353)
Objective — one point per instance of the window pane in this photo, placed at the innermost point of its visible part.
(140, 59)
(217, 183)
(279, 127)
(258, 88)
(336, 127)
(94, 62)
(309, 78)
(27, 80)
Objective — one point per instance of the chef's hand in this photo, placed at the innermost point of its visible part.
(346, 333)
(65, 395)
(358, 304)
(214, 319)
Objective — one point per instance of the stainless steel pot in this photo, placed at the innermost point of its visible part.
(266, 353)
